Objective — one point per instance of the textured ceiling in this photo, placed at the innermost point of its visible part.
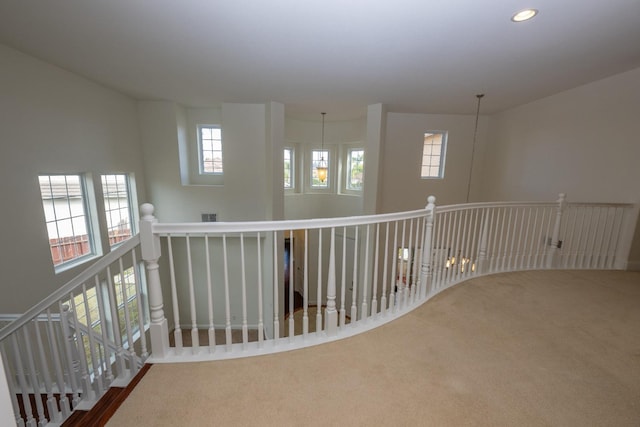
(338, 56)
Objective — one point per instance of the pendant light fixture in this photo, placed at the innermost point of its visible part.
(321, 169)
(473, 147)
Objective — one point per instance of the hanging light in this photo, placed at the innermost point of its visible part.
(322, 168)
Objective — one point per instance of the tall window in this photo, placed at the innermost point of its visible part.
(317, 157)
(210, 142)
(288, 168)
(355, 169)
(117, 206)
(433, 154)
(67, 217)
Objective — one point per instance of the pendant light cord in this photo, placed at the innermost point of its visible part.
(473, 148)
(322, 152)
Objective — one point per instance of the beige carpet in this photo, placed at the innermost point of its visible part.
(517, 349)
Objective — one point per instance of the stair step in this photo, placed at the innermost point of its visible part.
(108, 404)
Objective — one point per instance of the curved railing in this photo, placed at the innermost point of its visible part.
(222, 290)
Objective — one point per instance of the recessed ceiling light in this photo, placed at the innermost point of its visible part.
(524, 15)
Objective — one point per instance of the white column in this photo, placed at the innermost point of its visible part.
(150, 248)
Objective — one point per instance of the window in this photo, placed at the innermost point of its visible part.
(210, 143)
(355, 169)
(117, 207)
(288, 169)
(67, 217)
(318, 157)
(433, 154)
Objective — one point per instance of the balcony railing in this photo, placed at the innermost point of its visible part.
(222, 290)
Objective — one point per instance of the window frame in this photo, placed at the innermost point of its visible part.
(292, 168)
(131, 208)
(201, 160)
(442, 156)
(347, 170)
(87, 198)
(312, 167)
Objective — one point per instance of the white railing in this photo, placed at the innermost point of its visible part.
(226, 288)
(70, 348)
(247, 288)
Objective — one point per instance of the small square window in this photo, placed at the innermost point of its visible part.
(210, 144)
(433, 155)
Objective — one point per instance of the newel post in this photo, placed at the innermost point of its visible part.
(427, 245)
(331, 314)
(150, 248)
(555, 237)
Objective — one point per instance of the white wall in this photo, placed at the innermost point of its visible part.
(401, 187)
(584, 142)
(52, 121)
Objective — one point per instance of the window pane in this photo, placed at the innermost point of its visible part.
(117, 195)
(434, 147)
(66, 217)
(288, 168)
(210, 145)
(355, 169)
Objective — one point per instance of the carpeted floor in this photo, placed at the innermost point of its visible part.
(516, 349)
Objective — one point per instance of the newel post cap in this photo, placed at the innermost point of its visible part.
(146, 211)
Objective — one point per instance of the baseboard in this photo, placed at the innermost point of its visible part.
(633, 266)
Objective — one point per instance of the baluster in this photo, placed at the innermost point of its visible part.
(245, 330)
(354, 281)
(399, 255)
(606, 253)
(466, 239)
(526, 225)
(108, 377)
(92, 350)
(569, 241)
(227, 303)
(532, 240)
(551, 254)
(596, 228)
(409, 268)
(26, 402)
(464, 255)
(440, 245)
(291, 293)
(305, 302)
(474, 241)
(177, 329)
(140, 305)
(195, 338)
(52, 407)
(383, 298)
(364, 312)
(13, 391)
(374, 292)
(451, 249)
(512, 235)
(276, 303)
(53, 345)
(493, 231)
(260, 302)
(212, 329)
(33, 375)
(343, 311)
(331, 314)
(115, 325)
(319, 285)
(618, 255)
(88, 393)
(133, 364)
(71, 364)
(458, 249)
(417, 257)
(150, 250)
(394, 265)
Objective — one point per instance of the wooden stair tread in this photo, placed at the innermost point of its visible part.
(108, 404)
